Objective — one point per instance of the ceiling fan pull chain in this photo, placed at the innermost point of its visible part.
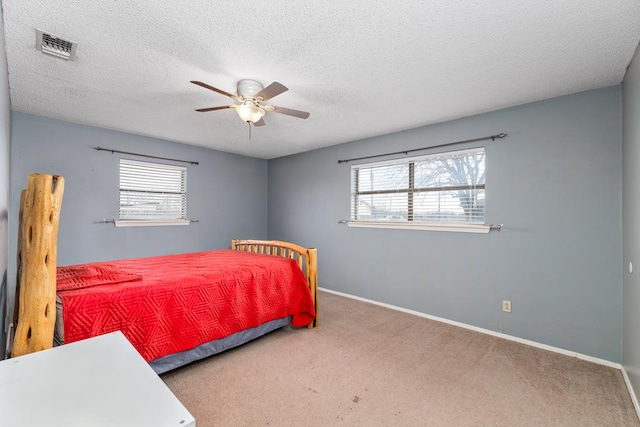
(249, 124)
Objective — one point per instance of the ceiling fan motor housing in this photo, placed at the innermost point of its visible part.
(249, 88)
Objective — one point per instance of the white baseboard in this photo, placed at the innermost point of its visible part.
(632, 393)
(588, 358)
(483, 331)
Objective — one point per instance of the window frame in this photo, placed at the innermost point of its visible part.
(411, 191)
(151, 220)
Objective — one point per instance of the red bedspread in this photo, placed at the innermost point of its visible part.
(185, 300)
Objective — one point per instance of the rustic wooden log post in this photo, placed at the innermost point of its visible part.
(37, 307)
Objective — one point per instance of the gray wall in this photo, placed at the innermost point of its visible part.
(5, 135)
(227, 192)
(555, 182)
(631, 219)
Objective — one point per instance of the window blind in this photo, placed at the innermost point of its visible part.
(152, 191)
(440, 188)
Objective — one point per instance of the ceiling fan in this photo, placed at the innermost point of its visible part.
(251, 95)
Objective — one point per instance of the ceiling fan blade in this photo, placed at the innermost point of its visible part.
(274, 89)
(289, 112)
(215, 89)
(260, 122)
(224, 107)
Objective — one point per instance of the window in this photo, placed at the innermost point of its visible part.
(432, 192)
(152, 194)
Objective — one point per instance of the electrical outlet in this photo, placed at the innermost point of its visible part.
(506, 306)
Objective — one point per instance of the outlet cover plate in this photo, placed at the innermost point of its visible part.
(506, 306)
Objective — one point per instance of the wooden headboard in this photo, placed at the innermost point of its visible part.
(307, 259)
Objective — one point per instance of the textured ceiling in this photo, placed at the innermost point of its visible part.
(361, 68)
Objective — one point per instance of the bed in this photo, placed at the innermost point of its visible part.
(176, 309)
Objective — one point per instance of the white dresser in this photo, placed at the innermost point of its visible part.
(102, 381)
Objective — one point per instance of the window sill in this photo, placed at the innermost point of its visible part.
(458, 228)
(149, 222)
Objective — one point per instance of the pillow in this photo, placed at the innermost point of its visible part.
(87, 275)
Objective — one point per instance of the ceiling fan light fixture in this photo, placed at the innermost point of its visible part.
(249, 111)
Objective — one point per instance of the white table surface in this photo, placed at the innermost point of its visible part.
(102, 381)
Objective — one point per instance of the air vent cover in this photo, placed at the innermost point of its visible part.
(53, 45)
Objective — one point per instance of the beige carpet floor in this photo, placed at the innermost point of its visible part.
(371, 366)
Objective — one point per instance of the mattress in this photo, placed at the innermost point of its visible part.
(175, 303)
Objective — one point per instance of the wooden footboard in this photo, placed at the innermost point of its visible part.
(307, 259)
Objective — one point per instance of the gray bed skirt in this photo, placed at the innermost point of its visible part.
(173, 361)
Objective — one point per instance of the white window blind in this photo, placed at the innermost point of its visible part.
(152, 191)
(442, 188)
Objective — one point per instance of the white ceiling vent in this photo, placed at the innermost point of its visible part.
(53, 45)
